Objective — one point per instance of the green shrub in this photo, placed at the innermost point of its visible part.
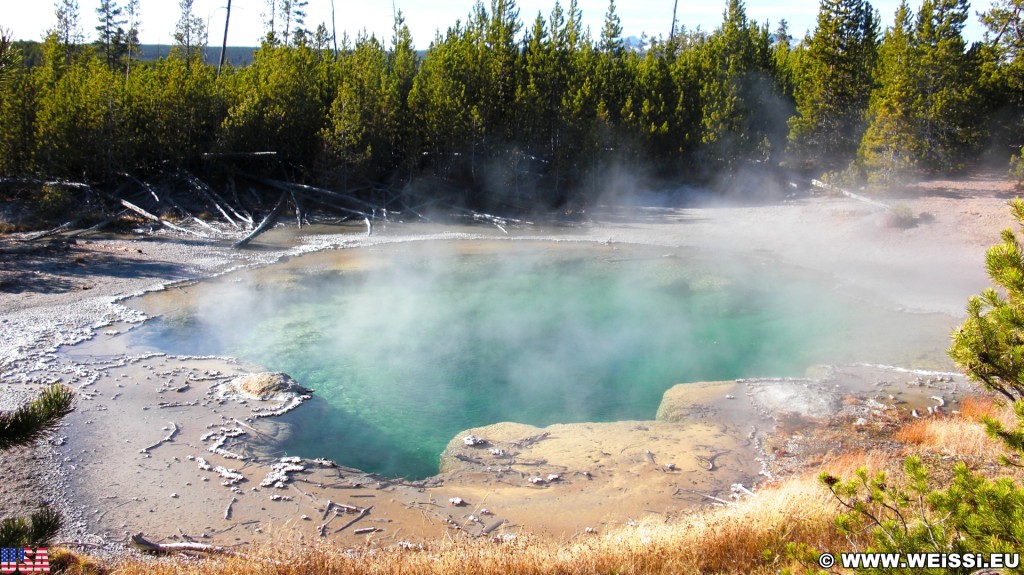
(53, 201)
(1016, 173)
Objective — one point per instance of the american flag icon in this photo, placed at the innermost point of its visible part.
(26, 560)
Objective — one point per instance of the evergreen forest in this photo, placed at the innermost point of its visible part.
(516, 113)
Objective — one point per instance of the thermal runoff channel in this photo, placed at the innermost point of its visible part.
(423, 341)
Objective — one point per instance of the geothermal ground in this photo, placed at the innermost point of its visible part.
(159, 444)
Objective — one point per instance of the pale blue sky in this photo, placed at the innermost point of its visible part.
(29, 19)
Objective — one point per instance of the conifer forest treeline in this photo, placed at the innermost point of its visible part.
(511, 113)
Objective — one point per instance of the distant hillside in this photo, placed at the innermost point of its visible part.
(237, 55)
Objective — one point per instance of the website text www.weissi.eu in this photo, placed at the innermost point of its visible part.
(920, 560)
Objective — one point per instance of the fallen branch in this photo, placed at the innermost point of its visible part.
(54, 231)
(96, 227)
(266, 223)
(251, 428)
(243, 215)
(166, 438)
(298, 210)
(362, 514)
(147, 546)
(173, 203)
(158, 219)
(851, 195)
(487, 530)
(227, 512)
(530, 440)
(211, 196)
(711, 497)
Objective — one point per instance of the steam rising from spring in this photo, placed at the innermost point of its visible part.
(422, 341)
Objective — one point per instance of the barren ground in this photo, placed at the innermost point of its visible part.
(105, 472)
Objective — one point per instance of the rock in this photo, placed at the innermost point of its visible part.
(266, 386)
(692, 401)
(473, 440)
(273, 434)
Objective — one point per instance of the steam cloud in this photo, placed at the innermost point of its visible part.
(427, 342)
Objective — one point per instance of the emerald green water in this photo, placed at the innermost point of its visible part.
(421, 345)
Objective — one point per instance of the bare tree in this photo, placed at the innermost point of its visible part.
(133, 32)
(224, 44)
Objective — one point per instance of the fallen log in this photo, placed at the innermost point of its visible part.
(266, 223)
(487, 530)
(705, 495)
(158, 219)
(245, 216)
(227, 512)
(334, 207)
(106, 222)
(170, 200)
(288, 186)
(531, 440)
(211, 196)
(139, 542)
(298, 210)
(829, 187)
(362, 514)
(54, 231)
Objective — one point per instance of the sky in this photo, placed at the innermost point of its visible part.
(29, 19)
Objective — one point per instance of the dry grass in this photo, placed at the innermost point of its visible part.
(747, 537)
(962, 434)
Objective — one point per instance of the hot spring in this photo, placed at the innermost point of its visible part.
(408, 344)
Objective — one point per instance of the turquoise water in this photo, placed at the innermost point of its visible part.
(404, 355)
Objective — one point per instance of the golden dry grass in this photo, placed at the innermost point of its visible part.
(746, 537)
(960, 434)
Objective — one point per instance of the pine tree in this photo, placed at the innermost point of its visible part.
(293, 13)
(68, 30)
(948, 86)
(353, 136)
(1004, 44)
(989, 346)
(401, 71)
(611, 33)
(890, 149)
(834, 82)
(279, 103)
(782, 55)
(24, 427)
(190, 33)
(733, 61)
(440, 102)
(111, 37)
(131, 41)
(612, 72)
(10, 58)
